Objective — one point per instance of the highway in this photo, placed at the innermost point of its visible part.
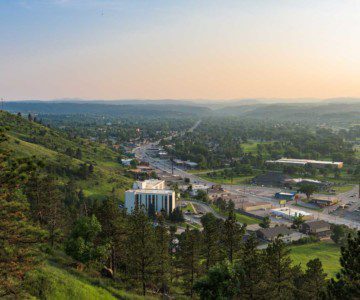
(250, 192)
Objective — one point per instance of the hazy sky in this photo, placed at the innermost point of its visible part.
(107, 49)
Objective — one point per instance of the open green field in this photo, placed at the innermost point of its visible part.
(239, 216)
(327, 251)
(251, 147)
(222, 180)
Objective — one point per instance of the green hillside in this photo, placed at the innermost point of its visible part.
(60, 282)
(58, 152)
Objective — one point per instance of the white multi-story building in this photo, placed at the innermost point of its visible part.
(150, 193)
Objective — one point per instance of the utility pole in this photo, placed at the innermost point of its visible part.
(2, 104)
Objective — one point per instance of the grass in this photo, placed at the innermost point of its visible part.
(246, 219)
(241, 218)
(62, 283)
(251, 147)
(308, 207)
(188, 207)
(32, 139)
(222, 180)
(327, 251)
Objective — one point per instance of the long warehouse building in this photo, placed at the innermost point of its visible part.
(304, 162)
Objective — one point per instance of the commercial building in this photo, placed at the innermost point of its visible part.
(304, 162)
(325, 200)
(253, 206)
(150, 194)
(290, 213)
(285, 196)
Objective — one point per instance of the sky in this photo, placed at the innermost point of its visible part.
(107, 49)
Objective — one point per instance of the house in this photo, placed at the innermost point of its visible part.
(318, 228)
(284, 233)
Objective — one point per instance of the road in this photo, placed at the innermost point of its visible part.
(249, 192)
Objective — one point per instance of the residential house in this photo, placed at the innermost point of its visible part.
(318, 228)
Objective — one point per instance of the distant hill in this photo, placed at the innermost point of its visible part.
(49, 107)
(323, 112)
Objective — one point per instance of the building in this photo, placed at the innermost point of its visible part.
(318, 228)
(290, 213)
(252, 206)
(324, 201)
(285, 196)
(304, 162)
(271, 178)
(190, 164)
(150, 193)
(284, 233)
(198, 187)
(126, 161)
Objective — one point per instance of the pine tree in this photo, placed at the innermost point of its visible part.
(211, 250)
(163, 257)
(314, 280)
(252, 276)
(113, 224)
(47, 205)
(265, 223)
(141, 249)
(279, 278)
(347, 285)
(189, 258)
(78, 154)
(232, 234)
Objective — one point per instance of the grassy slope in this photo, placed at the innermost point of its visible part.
(32, 139)
(70, 284)
(326, 251)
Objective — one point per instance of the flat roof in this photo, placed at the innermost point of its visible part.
(286, 194)
(305, 161)
(290, 211)
(150, 191)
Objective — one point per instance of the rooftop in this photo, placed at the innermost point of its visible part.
(150, 191)
(290, 212)
(304, 161)
(275, 231)
(317, 224)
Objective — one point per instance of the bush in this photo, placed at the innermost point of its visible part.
(38, 284)
(306, 240)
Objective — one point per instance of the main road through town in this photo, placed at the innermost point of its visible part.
(248, 192)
